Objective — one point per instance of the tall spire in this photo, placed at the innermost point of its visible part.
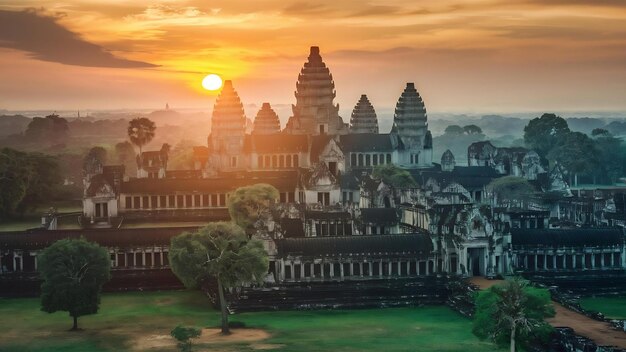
(228, 121)
(363, 118)
(266, 121)
(315, 111)
(410, 120)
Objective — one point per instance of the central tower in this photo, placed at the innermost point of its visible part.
(315, 111)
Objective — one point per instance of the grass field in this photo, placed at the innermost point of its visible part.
(127, 318)
(611, 307)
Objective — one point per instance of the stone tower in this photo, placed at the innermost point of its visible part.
(411, 127)
(315, 111)
(447, 161)
(363, 118)
(266, 121)
(228, 126)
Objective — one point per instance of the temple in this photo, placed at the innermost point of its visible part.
(334, 222)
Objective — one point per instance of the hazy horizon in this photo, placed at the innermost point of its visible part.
(474, 57)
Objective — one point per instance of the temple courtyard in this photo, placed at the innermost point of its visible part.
(141, 321)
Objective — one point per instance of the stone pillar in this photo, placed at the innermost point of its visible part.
(389, 267)
(427, 267)
(341, 270)
(152, 255)
(281, 270)
(593, 260)
(116, 260)
(143, 257)
(302, 270)
(161, 254)
(361, 269)
(14, 262)
(545, 262)
(525, 262)
(35, 257)
(602, 260)
(612, 259)
(332, 270)
(351, 269)
(553, 260)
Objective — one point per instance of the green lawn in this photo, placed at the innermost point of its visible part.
(611, 307)
(126, 318)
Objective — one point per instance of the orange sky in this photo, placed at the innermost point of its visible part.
(464, 56)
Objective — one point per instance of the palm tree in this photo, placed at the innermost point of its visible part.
(512, 310)
(141, 131)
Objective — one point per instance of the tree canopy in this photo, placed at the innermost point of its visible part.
(247, 205)
(51, 129)
(543, 133)
(513, 312)
(394, 176)
(472, 129)
(141, 131)
(454, 130)
(94, 160)
(73, 272)
(26, 180)
(511, 190)
(220, 251)
(576, 152)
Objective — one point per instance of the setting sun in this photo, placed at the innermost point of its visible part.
(212, 82)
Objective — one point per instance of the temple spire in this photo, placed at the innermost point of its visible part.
(410, 120)
(315, 111)
(363, 118)
(266, 121)
(228, 122)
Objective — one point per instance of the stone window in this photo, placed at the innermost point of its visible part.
(367, 160)
(196, 201)
(289, 161)
(375, 159)
(214, 200)
(129, 202)
(136, 202)
(274, 161)
(162, 202)
(352, 159)
(154, 202)
(188, 203)
(172, 201)
(295, 160)
(260, 161)
(360, 160)
(205, 200)
(179, 201)
(222, 200)
(388, 158)
(281, 161)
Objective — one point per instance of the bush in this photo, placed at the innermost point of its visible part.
(184, 334)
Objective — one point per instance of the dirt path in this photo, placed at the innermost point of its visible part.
(209, 337)
(598, 331)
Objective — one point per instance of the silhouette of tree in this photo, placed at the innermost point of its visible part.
(141, 131)
(543, 133)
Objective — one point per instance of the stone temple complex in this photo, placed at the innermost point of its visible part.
(334, 223)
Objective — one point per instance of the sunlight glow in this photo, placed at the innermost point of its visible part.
(212, 82)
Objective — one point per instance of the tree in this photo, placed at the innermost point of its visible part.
(611, 157)
(26, 180)
(454, 130)
(184, 334)
(600, 132)
(73, 272)
(220, 251)
(51, 129)
(577, 153)
(248, 205)
(94, 160)
(472, 129)
(513, 312)
(543, 133)
(394, 176)
(511, 190)
(141, 131)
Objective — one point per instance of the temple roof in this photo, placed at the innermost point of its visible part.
(366, 142)
(578, 237)
(408, 244)
(40, 238)
(276, 143)
(266, 121)
(363, 118)
(228, 116)
(380, 216)
(409, 119)
(283, 181)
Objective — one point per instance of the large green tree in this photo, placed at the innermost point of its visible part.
(73, 272)
(543, 133)
(26, 180)
(394, 176)
(52, 129)
(512, 313)
(95, 158)
(248, 205)
(220, 251)
(577, 153)
(141, 131)
(611, 156)
(511, 190)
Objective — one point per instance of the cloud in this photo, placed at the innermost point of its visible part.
(46, 40)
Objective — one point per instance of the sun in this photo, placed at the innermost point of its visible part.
(212, 82)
